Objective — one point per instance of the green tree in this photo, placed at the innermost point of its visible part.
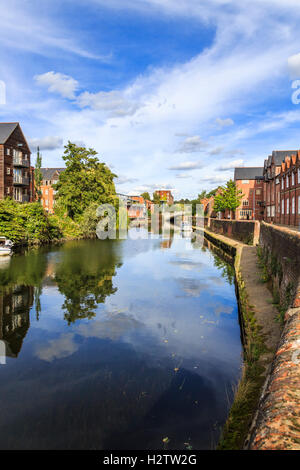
(156, 198)
(228, 198)
(146, 195)
(84, 181)
(38, 176)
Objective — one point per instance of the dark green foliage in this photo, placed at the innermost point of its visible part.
(84, 182)
(26, 222)
(146, 195)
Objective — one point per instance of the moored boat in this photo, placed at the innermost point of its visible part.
(5, 246)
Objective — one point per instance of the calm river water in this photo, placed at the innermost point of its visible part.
(117, 345)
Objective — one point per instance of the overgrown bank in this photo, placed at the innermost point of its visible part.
(258, 348)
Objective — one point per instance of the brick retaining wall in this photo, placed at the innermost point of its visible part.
(281, 251)
(246, 231)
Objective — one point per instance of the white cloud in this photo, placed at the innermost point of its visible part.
(231, 165)
(112, 101)
(64, 85)
(243, 67)
(224, 122)
(192, 144)
(216, 151)
(183, 176)
(186, 166)
(294, 66)
(46, 143)
(124, 180)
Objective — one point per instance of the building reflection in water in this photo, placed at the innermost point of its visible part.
(15, 304)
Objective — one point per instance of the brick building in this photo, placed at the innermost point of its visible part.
(16, 173)
(250, 181)
(288, 183)
(272, 188)
(165, 196)
(50, 177)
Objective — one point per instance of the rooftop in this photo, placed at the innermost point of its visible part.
(6, 129)
(248, 173)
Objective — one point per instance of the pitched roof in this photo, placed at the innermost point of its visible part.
(6, 129)
(248, 173)
(48, 173)
(279, 155)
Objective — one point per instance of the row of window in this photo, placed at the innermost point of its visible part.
(16, 153)
(285, 180)
(285, 206)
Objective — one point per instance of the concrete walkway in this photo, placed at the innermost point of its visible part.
(276, 425)
(260, 299)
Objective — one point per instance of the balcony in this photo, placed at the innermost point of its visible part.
(21, 180)
(19, 161)
(22, 198)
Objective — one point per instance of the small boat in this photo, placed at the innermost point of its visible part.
(5, 246)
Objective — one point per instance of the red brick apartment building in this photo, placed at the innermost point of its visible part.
(50, 177)
(282, 187)
(165, 196)
(16, 173)
(250, 180)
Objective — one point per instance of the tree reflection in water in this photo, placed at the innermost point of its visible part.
(85, 278)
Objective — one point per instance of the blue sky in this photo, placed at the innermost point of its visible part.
(172, 94)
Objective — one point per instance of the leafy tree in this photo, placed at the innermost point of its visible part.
(156, 198)
(84, 181)
(228, 198)
(146, 195)
(38, 176)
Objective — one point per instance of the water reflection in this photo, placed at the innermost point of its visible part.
(15, 303)
(119, 343)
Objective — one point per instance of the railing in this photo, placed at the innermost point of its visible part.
(21, 180)
(19, 161)
(22, 198)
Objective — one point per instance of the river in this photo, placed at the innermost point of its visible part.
(123, 344)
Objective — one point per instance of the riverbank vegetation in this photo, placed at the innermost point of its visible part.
(85, 184)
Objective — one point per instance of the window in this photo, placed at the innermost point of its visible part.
(298, 204)
(277, 181)
(299, 175)
(8, 190)
(293, 179)
(46, 202)
(258, 192)
(8, 170)
(245, 181)
(287, 206)
(293, 205)
(244, 213)
(282, 183)
(282, 206)
(25, 157)
(7, 151)
(46, 192)
(245, 203)
(287, 181)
